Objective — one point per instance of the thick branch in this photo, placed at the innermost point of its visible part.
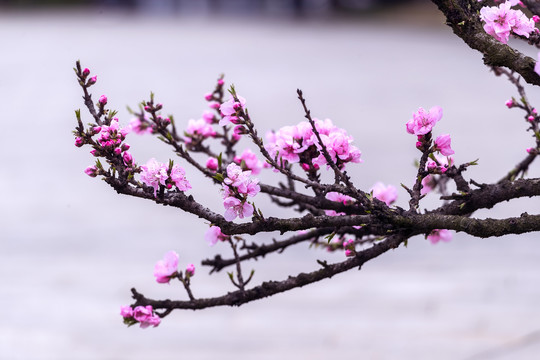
(462, 17)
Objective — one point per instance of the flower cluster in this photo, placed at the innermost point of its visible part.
(237, 186)
(501, 20)
(111, 137)
(155, 174)
(141, 314)
(299, 144)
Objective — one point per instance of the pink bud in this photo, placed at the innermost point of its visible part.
(212, 164)
(103, 100)
(117, 151)
(91, 171)
(147, 108)
(233, 119)
(536, 18)
(305, 166)
(128, 159)
(166, 121)
(530, 118)
(159, 106)
(93, 152)
(510, 103)
(92, 80)
(79, 142)
(419, 145)
(169, 186)
(86, 72)
(125, 147)
(530, 150)
(190, 270)
(208, 96)
(96, 129)
(220, 82)
(534, 111)
(237, 106)
(214, 105)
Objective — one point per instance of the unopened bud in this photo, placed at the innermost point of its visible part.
(79, 142)
(91, 171)
(128, 159)
(86, 72)
(92, 80)
(208, 96)
(190, 270)
(220, 82)
(103, 100)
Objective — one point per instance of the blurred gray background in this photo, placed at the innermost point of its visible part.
(71, 248)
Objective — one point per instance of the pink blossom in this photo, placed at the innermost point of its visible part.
(166, 268)
(510, 103)
(387, 194)
(91, 171)
(422, 121)
(178, 177)
(439, 234)
(212, 164)
(427, 185)
(79, 142)
(338, 197)
(103, 100)
(235, 207)
(154, 174)
(240, 180)
(501, 20)
(220, 82)
(348, 245)
(442, 164)
(144, 315)
(442, 144)
(190, 270)
(229, 110)
(141, 127)
(250, 160)
(208, 116)
(214, 234)
(199, 129)
(126, 311)
(208, 96)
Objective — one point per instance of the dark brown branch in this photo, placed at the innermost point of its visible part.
(270, 288)
(462, 16)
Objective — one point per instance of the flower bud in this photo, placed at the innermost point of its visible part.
(208, 96)
(103, 99)
(536, 18)
(220, 82)
(92, 81)
(212, 164)
(190, 270)
(79, 142)
(91, 171)
(214, 105)
(530, 118)
(125, 147)
(128, 159)
(96, 129)
(86, 72)
(510, 103)
(117, 151)
(93, 152)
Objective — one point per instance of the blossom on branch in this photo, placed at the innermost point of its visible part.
(423, 121)
(443, 143)
(385, 193)
(439, 235)
(229, 110)
(501, 20)
(214, 234)
(166, 268)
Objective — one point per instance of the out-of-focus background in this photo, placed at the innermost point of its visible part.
(71, 248)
